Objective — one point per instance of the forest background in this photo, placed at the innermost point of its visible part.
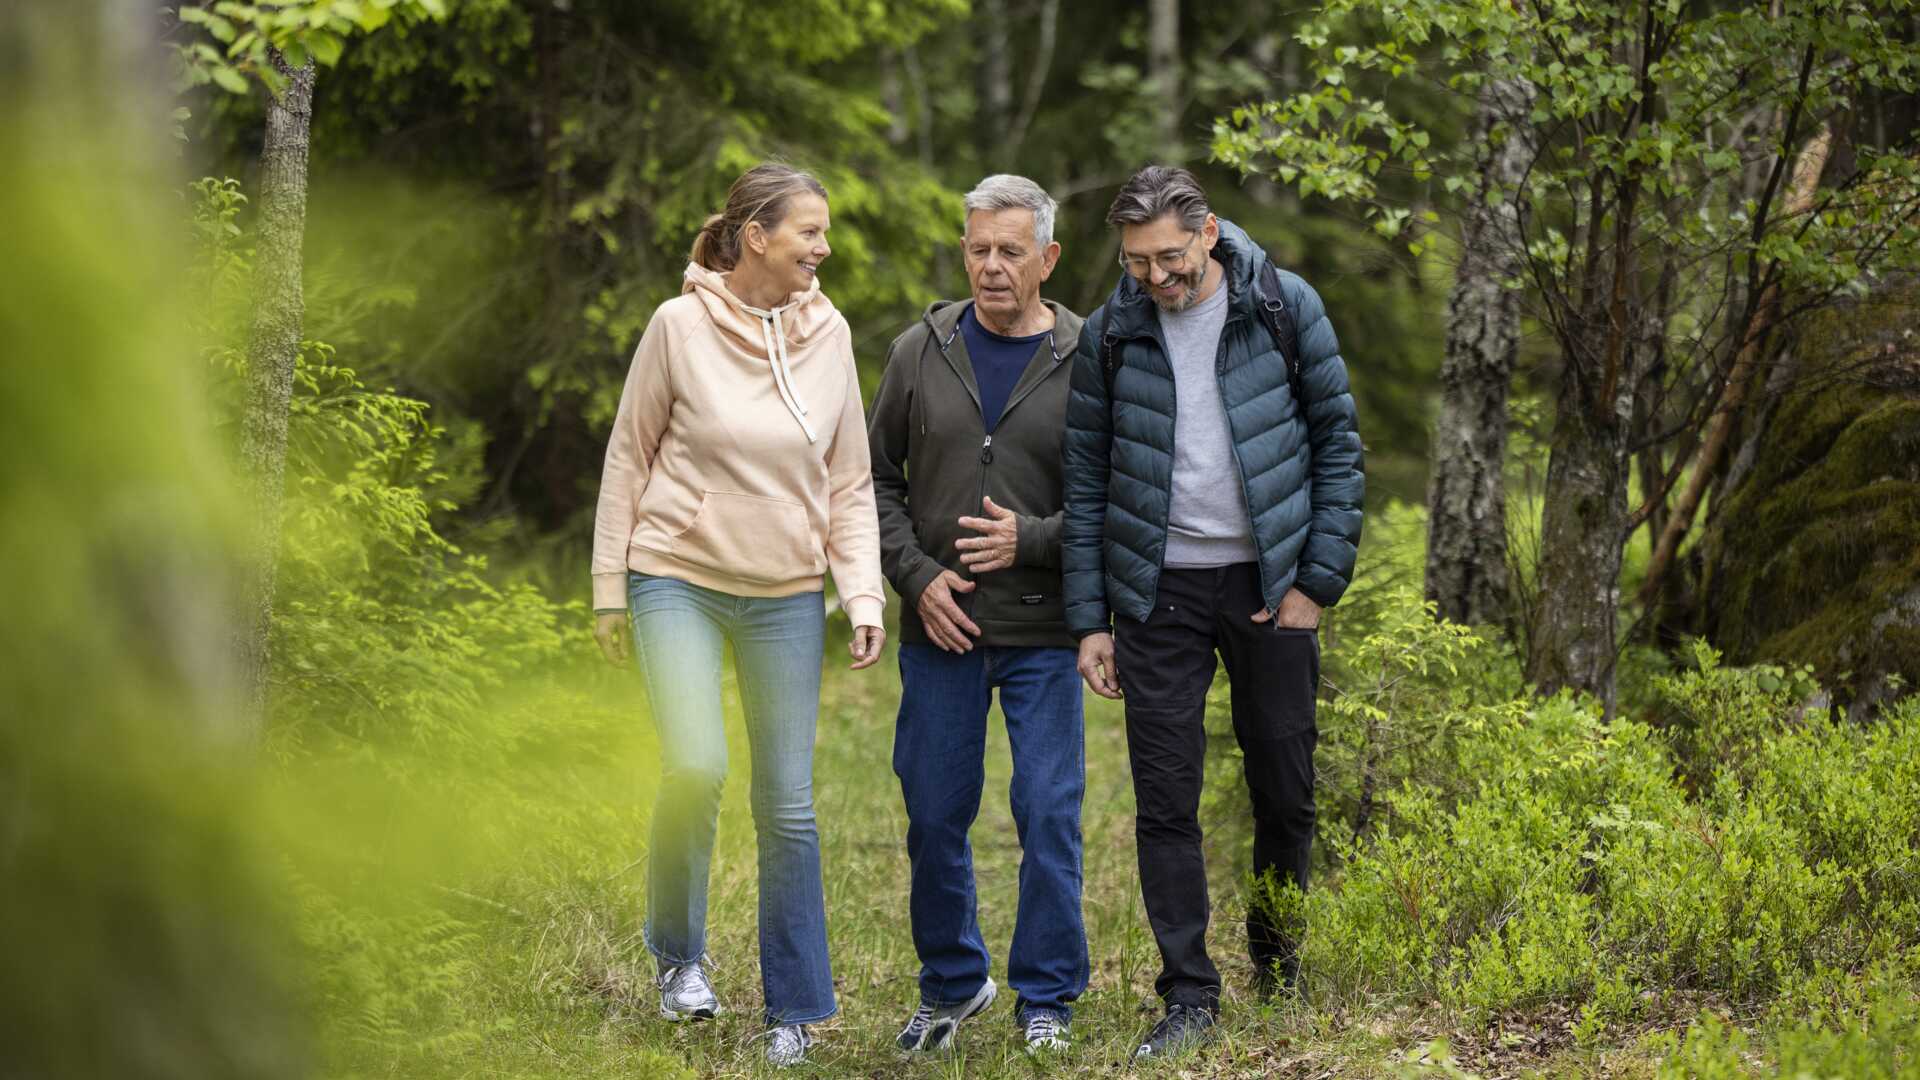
(316, 317)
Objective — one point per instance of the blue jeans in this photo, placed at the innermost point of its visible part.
(678, 632)
(939, 751)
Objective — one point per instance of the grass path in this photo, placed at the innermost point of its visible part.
(563, 988)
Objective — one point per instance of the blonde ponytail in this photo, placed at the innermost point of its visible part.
(713, 248)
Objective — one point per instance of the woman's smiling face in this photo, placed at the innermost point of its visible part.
(794, 249)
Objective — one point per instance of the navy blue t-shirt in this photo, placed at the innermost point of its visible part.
(998, 363)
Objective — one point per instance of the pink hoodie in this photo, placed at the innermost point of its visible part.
(738, 460)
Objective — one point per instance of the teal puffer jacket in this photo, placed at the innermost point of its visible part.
(1299, 467)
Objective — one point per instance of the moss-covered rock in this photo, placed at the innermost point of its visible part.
(1815, 557)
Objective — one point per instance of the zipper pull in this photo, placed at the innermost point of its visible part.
(986, 451)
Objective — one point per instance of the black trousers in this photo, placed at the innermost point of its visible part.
(1166, 666)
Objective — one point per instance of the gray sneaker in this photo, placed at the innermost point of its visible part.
(787, 1045)
(686, 993)
(932, 1026)
(1046, 1032)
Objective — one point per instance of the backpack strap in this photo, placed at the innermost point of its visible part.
(1274, 314)
(1109, 362)
(1280, 325)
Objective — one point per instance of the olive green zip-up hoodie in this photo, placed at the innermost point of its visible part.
(933, 463)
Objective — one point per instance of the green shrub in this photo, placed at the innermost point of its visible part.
(1720, 898)
(1717, 718)
(1851, 790)
(1393, 709)
(438, 720)
(1482, 898)
(1877, 1044)
(1533, 852)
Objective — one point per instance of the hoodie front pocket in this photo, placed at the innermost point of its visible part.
(750, 537)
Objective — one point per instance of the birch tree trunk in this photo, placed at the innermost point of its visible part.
(1466, 490)
(273, 340)
(994, 78)
(1163, 75)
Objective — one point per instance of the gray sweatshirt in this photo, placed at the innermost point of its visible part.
(1207, 524)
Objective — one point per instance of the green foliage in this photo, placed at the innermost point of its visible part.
(406, 678)
(1405, 696)
(1530, 852)
(384, 629)
(1481, 899)
(1642, 102)
(142, 937)
(1877, 1044)
(391, 980)
(1720, 718)
(245, 37)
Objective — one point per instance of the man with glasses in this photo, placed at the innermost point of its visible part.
(1227, 531)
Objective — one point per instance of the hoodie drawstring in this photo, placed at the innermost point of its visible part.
(775, 337)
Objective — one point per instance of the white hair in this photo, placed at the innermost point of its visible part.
(1005, 191)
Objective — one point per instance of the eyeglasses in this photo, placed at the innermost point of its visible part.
(1172, 262)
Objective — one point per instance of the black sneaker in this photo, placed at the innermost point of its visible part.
(1183, 1028)
(1276, 978)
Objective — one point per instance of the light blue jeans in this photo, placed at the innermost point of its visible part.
(679, 631)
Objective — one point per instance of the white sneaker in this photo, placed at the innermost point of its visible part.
(686, 993)
(1046, 1031)
(932, 1026)
(787, 1045)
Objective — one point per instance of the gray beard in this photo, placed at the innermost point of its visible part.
(1182, 302)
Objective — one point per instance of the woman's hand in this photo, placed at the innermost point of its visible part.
(865, 646)
(610, 630)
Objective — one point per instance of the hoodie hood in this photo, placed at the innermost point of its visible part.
(778, 337)
(804, 316)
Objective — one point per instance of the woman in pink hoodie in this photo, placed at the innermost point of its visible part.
(736, 478)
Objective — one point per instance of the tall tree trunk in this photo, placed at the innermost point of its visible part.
(273, 341)
(893, 96)
(1466, 490)
(1583, 526)
(1163, 75)
(1582, 522)
(553, 217)
(995, 78)
(1036, 74)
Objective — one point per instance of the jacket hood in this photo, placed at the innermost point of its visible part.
(1130, 310)
(804, 316)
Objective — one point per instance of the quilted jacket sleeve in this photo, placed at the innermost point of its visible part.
(1087, 452)
(1339, 482)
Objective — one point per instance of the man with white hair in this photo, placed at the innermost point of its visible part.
(966, 437)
